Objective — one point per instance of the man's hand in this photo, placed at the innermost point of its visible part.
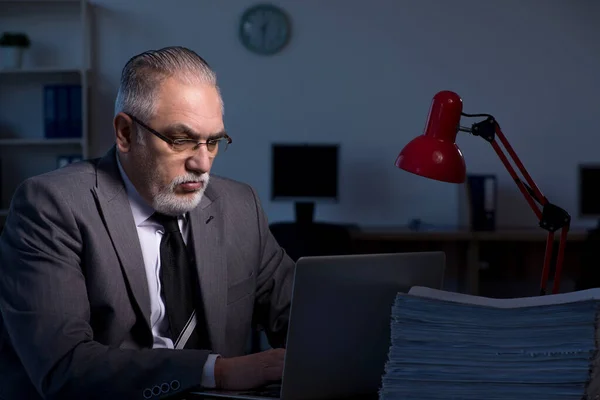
(249, 372)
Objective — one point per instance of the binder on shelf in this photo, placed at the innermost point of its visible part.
(50, 118)
(75, 116)
(62, 111)
(478, 202)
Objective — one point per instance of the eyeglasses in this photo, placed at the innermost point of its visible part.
(184, 145)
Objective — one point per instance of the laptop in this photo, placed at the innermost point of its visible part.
(339, 329)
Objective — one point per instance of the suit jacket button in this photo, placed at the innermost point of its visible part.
(165, 388)
(156, 390)
(147, 393)
(175, 385)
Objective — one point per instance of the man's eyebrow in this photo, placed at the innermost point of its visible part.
(180, 128)
(218, 135)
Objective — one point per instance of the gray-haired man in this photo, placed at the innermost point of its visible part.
(130, 276)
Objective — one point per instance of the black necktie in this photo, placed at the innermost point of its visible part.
(179, 284)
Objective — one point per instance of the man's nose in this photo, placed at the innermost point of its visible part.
(201, 160)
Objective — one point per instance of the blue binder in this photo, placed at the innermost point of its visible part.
(50, 114)
(62, 111)
(75, 116)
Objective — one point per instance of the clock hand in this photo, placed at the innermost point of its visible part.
(263, 29)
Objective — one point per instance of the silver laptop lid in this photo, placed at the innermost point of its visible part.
(339, 332)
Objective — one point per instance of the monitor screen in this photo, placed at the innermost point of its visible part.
(307, 171)
(589, 196)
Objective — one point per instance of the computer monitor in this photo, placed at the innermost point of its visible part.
(305, 174)
(589, 197)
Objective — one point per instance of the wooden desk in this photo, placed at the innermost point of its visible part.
(466, 244)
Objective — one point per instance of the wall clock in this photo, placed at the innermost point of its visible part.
(265, 29)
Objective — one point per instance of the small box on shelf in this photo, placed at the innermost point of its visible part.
(64, 160)
(12, 46)
(62, 111)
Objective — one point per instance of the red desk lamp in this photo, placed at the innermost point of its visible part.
(435, 155)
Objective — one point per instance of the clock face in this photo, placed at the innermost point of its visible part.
(265, 29)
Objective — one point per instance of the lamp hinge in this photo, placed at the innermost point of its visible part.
(485, 129)
(554, 218)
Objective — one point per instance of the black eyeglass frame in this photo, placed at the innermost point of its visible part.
(175, 142)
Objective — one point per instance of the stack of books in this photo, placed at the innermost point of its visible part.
(447, 345)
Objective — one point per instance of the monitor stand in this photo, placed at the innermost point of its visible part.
(305, 212)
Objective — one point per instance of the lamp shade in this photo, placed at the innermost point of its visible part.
(434, 154)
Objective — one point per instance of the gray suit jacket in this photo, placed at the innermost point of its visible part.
(74, 300)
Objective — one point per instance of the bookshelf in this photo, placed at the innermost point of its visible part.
(40, 142)
(37, 70)
(59, 56)
(39, 1)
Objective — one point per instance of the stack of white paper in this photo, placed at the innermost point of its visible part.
(451, 346)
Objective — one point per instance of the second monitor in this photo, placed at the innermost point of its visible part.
(304, 174)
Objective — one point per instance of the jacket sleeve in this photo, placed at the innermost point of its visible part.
(46, 313)
(274, 283)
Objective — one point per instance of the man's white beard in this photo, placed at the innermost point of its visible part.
(168, 202)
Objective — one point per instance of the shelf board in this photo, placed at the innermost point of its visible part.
(40, 70)
(40, 1)
(40, 142)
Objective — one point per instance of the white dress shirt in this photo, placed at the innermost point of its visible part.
(150, 233)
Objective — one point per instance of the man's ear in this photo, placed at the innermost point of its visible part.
(123, 126)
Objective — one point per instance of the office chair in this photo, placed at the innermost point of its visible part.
(312, 239)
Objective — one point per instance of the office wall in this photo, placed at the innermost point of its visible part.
(363, 73)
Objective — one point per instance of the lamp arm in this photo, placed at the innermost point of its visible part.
(550, 217)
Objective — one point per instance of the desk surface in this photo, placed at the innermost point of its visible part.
(451, 235)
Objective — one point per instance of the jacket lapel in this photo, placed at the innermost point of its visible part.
(114, 207)
(207, 229)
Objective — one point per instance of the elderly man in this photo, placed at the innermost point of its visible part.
(131, 276)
